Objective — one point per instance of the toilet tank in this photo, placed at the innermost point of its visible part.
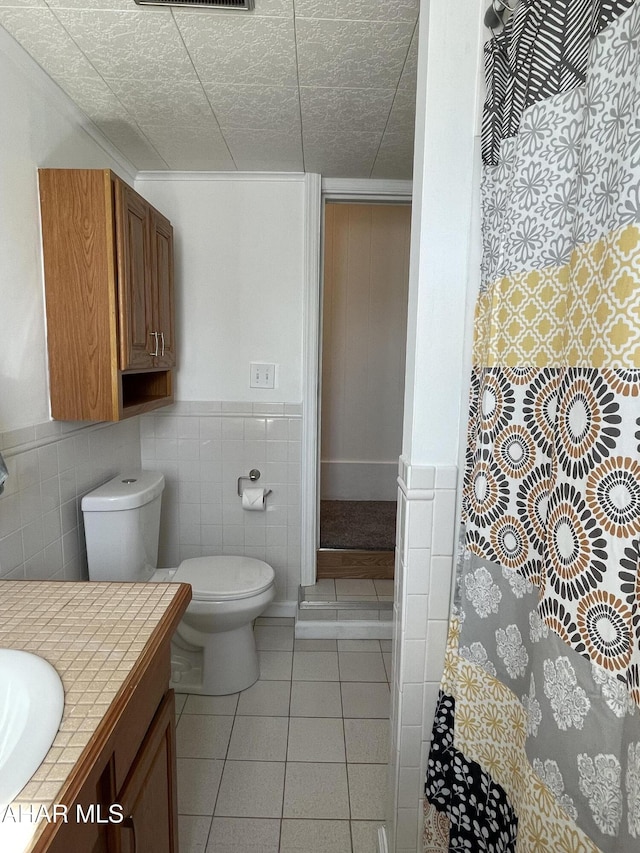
(122, 525)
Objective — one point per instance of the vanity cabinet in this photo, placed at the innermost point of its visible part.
(148, 795)
(142, 816)
(121, 797)
(108, 265)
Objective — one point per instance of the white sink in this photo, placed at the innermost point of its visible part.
(31, 703)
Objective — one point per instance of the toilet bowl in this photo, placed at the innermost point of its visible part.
(213, 651)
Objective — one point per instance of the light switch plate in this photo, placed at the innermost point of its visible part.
(262, 375)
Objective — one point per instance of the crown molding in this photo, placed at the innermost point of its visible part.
(41, 81)
(160, 175)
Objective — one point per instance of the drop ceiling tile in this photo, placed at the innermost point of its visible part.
(410, 70)
(348, 54)
(349, 109)
(138, 45)
(111, 5)
(197, 148)
(132, 143)
(239, 49)
(279, 8)
(95, 99)
(258, 107)
(335, 154)
(164, 101)
(395, 157)
(270, 151)
(359, 10)
(403, 111)
(40, 3)
(38, 31)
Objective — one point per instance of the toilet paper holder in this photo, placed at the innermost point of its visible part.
(254, 475)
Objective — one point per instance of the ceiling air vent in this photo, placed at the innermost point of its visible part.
(247, 5)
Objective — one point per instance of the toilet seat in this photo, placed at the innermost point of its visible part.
(224, 578)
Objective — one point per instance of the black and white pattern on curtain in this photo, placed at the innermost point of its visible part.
(536, 741)
(483, 810)
(541, 51)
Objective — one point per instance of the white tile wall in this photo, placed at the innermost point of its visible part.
(424, 566)
(202, 448)
(51, 466)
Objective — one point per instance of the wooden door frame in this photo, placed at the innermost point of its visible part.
(317, 192)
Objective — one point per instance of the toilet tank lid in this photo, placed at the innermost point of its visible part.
(127, 490)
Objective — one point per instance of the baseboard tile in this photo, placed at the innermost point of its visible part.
(281, 609)
(343, 630)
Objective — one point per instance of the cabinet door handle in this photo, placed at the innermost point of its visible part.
(162, 339)
(154, 335)
(128, 823)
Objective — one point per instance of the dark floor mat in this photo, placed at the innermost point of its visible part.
(367, 525)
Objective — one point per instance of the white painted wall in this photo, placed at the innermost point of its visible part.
(40, 127)
(446, 122)
(239, 242)
(51, 464)
(443, 281)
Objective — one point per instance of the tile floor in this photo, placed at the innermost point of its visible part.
(350, 589)
(297, 763)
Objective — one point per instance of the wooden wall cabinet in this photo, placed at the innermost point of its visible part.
(108, 265)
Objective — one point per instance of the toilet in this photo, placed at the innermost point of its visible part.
(213, 651)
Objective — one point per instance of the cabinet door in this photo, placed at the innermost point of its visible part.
(162, 277)
(148, 796)
(137, 343)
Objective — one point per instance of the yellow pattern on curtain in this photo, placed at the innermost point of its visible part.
(585, 313)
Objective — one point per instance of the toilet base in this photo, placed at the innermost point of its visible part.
(229, 665)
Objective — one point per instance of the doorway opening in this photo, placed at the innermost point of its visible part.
(362, 366)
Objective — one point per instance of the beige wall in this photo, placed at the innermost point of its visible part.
(363, 346)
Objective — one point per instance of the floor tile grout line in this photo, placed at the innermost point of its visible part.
(206, 843)
(215, 804)
(346, 765)
(340, 681)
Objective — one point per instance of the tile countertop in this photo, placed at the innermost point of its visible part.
(93, 634)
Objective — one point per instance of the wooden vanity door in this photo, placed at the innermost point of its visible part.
(133, 246)
(148, 796)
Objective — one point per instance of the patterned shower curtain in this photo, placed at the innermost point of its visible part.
(536, 738)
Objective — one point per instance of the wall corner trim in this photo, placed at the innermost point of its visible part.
(415, 494)
(310, 365)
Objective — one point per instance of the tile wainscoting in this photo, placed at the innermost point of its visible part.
(51, 466)
(423, 575)
(202, 448)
